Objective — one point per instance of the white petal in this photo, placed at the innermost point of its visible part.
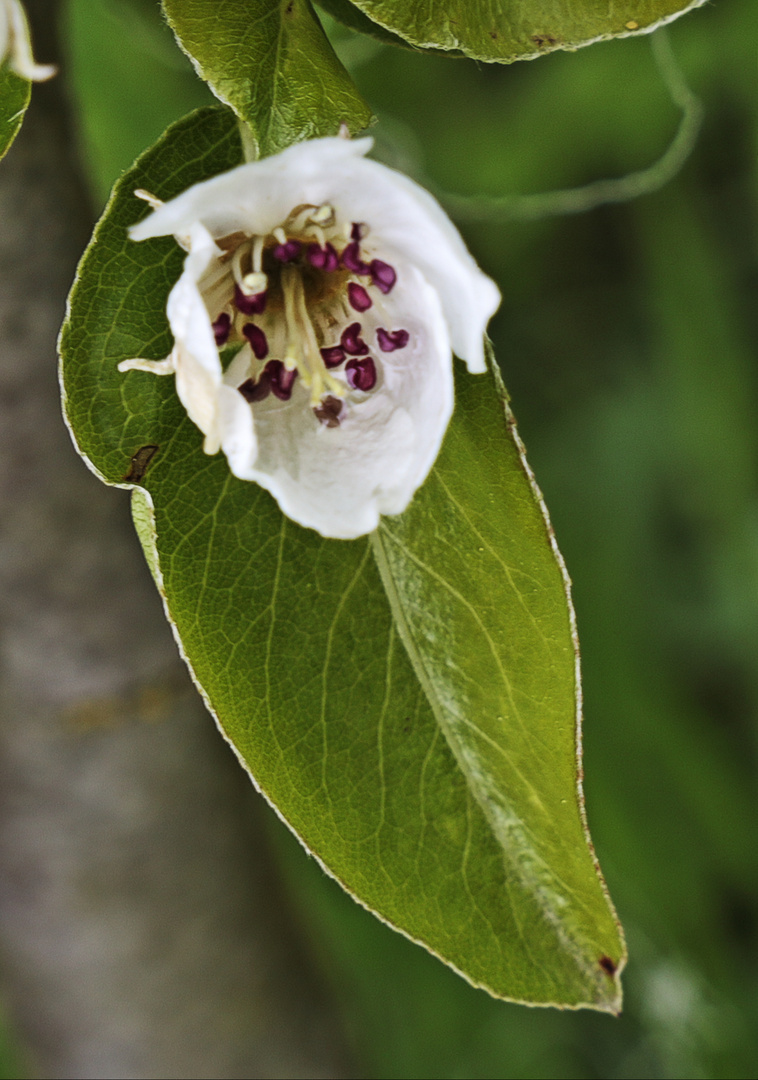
(411, 225)
(196, 361)
(406, 222)
(259, 196)
(15, 41)
(339, 480)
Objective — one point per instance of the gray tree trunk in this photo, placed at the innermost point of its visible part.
(142, 929)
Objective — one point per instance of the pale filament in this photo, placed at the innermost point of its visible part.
(239, 277)
(303, 350)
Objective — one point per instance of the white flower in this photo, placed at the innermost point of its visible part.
(15, 46)
(345, 290)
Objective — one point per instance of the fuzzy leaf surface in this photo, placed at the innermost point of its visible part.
(507, 30)
(272, 63)
(407, 702)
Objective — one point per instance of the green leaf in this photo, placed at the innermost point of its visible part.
(507, 30)
(349, 15)
(272, 63)
(422, 748)
(15, 93)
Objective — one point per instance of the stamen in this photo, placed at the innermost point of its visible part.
(358, 231)
(258, 254)
(323, 258)
(389, 340)
(280, 379)
(361, 374)
(221, 328)
(333, 356)
(152, 200)
(254, 283)
(253, 391)
(382, 275)
(237, 256)
(288, 251)
(302, 347)
(257, 339)
(352, 261)
(215, 291)
(280, 235)
(323, 215)
(358, 297)
(351, 340)
(328, 412)
(249, 305)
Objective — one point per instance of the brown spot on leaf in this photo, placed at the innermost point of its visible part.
(607, 965)
(544, 41)
(494, 35)
(140, 463)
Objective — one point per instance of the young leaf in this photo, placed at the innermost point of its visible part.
(15, 93)
(423, 748)
(272, 63)
(507, 30)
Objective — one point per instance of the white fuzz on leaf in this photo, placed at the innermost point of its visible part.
(322, 298)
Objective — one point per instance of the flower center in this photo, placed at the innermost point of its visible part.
(291, 296)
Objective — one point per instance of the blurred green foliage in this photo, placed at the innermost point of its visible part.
(629, 340)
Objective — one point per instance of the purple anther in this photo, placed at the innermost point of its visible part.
(280, 379)
(352, 261)
(333, 356)
(361, 374)
(328, 411)
(323, 258)
(221, 328)
(382, 275)
(257, 339)
(351, 340)
(358, 297)
(249, 305)
(253, 391)
(288, 251)
(389, 340)
(358, 231)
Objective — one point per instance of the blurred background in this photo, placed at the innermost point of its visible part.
(628, 338)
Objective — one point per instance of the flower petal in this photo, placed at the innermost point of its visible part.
(15, 42)
(407, 221)
(338, 480)
(414, 228)
(257, 197)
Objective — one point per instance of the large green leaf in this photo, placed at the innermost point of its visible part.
(422, 747)
(507, 30)
(271, 61)
(15, 93)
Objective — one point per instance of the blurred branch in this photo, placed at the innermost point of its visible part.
(600, 192)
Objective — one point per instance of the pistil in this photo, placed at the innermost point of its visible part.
(303, 351)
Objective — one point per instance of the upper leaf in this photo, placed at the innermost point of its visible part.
(506, 30)
(15, 93)
(432, 770)
(271, 61)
